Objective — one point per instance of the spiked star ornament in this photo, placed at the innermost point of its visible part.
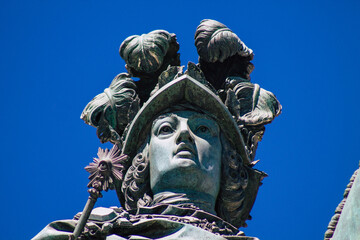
(104, 171)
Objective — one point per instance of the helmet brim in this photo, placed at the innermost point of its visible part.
(180, 90)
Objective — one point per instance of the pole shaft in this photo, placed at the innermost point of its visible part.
(84, 217)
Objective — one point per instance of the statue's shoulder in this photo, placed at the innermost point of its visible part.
(117, 224)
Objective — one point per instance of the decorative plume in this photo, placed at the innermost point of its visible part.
(112, 110)
(215, 42)
(147, 56)
(145, 53)
(221, 53)
(252, 105)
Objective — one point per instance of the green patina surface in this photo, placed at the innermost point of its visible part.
(348, 227)
(184, 142)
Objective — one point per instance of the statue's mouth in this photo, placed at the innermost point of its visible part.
(185, 151)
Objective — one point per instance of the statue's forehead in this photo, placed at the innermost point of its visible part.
(191, 116)
(188, 114)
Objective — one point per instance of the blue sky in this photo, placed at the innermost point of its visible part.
(57, 55)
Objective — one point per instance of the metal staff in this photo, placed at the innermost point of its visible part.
(104, 170)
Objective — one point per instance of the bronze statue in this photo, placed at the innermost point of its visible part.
(184, 142)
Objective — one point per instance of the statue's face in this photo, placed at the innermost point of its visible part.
(185, 153)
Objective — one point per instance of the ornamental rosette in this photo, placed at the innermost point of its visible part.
(106, 169)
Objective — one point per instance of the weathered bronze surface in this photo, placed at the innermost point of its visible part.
(344, 225)
(184, 142)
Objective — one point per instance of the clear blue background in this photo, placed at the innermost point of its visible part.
(57, 55)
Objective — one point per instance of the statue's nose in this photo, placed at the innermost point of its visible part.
(185, 135)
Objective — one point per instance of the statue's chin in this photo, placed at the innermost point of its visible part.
(185, 176)
(182, 161)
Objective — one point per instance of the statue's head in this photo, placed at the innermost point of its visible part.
(186, 132)
(184, 145)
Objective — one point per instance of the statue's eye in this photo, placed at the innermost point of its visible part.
(203, 129)
(165, 130)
